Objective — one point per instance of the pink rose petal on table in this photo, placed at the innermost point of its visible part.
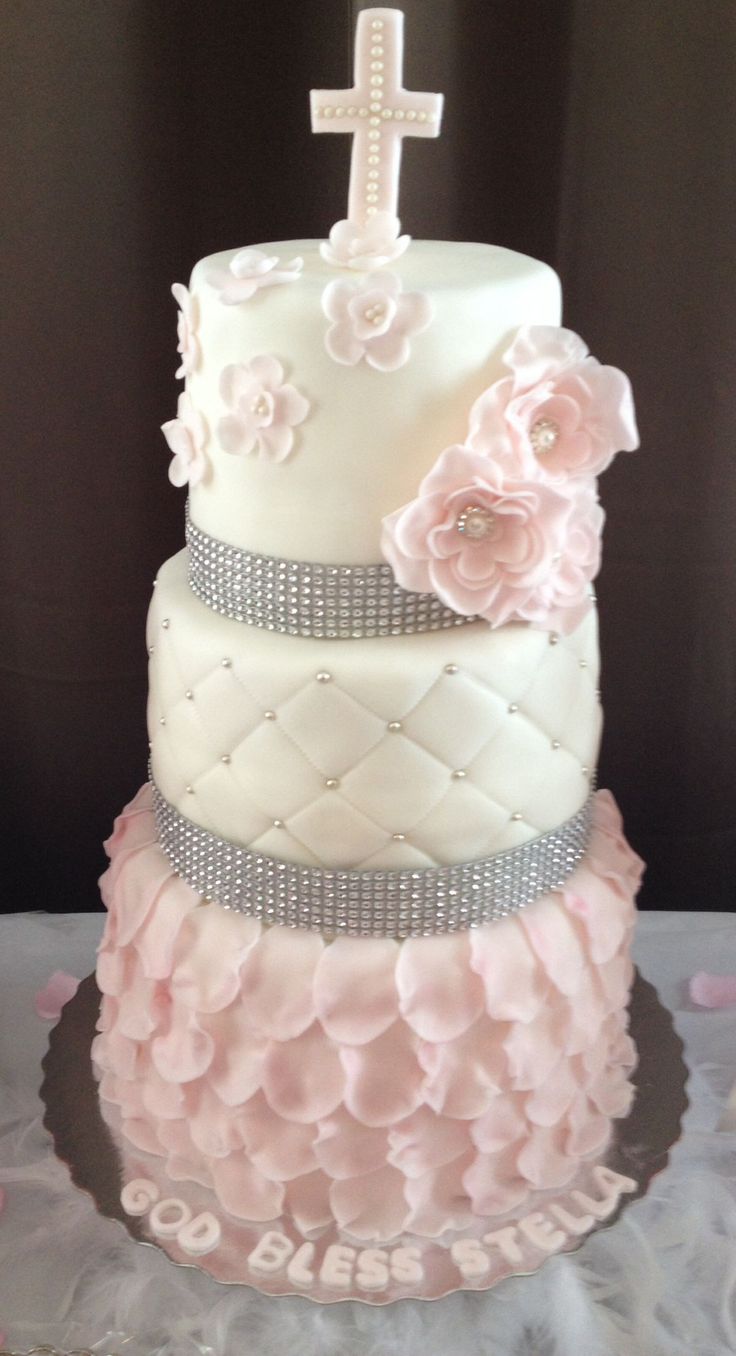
(713, 991)
(60, 988)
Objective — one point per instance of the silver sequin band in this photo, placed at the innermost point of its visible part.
(408, 903)
(299, 598)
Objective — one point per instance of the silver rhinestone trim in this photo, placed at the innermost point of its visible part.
(300, 598)
(408, 903)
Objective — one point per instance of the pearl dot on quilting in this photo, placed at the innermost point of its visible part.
(162, 720)
(189, 695)
(324, 677)
(513, 708)
(583, 663)
(398, 837)
(166, 623)
(585, 770)
(450, 668)
(225, 758)
(269, 715)
(517, 815)
(556, 744)
(553, 638)
(190, 790)
(394, 726)
(151, 649)
(278, 823)
(227, 663)
(332, 783)
(458, 774)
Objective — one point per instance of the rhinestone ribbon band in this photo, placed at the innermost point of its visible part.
(330, 602)
(408, 903)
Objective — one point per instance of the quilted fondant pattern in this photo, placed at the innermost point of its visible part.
(404, 751)
(387, 1086)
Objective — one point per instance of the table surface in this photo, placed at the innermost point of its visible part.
(661, 1282)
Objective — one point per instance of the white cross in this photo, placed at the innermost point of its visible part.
(379, 112)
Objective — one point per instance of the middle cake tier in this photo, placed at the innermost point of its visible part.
(391, 752)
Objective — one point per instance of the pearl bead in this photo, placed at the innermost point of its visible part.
(227, 663)
(450, 668)
(190, 790)
(513, 708)
(340, 112)
(394, 726)
(225, 758)
(151, 649)
(517, 815)
(459, 774)
(162, 720)
(189, 695)
(556, 744)
(327, 112)
(583, 663)
(399, 837)
(553, 638)
(585, 771)
(165, 623)
(269, 715)
(278, 823)
(543, 435)
(324, 677)
(332, 783)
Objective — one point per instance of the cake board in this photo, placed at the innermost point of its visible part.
(639, 1150)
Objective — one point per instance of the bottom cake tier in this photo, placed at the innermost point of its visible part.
(378, 1085)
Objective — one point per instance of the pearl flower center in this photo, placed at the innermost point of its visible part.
(375, 314)
(260, 406)
(543, 435)
(476, 523)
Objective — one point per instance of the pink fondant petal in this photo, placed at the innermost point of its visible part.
(244, 1191)
(514, 982)
(543, 1160)
(439, 995)
(383, 1079)
(534, 1049)
(342, 345)
(211, 946)
(439, 1199)
(346, 1148)
(355, 994)
(494, 1184)
(554, 938)
(58, 990)
(280, 1149)
(275, 442)
(389, 352)
(240, 1049)
(156, 939)
(185, 1052)
(212, 1125)
(587, 1131)
(276, 981)
(502, 1124)
(303, 1079)
(465, 1074)
(548, 1103)
(425, 1141)
(142, 1134)
(371, 1207)
(307, 1200)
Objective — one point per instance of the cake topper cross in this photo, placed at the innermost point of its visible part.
(379, 112)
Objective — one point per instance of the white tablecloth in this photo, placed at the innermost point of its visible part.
(661, 1282)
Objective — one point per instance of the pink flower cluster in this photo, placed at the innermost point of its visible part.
(507, 526)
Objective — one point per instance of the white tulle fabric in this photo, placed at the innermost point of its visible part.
(387, 1086)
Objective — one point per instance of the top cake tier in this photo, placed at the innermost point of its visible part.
(361, 437)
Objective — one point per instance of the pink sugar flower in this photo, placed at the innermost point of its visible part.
(187, 323)
(498, 547)
(186, 436)
(564, 414)
(365, 248)
(264, 409)
(373, 320)
(249, 271)
(51, 999)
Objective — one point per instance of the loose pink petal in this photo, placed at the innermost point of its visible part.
(713, 991)
(51, 999)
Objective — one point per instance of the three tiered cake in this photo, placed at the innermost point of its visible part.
(366, 962)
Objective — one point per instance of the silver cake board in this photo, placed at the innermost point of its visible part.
(101, 1162)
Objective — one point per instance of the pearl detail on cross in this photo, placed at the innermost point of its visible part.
(378, 98)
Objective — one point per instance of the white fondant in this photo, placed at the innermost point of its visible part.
(138, 1196)
(406, 1265)
(451, 692)
(469, 1258)
(573, 1224)
(298, 1270)
(169, 1216)
(612, 1183)
(372, 1271)
(337, 1266)
(541, 1232)
(201, 1235)
(505, 1241)
(271, 1252)
(370, 436)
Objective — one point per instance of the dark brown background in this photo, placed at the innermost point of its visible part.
(141, 134)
